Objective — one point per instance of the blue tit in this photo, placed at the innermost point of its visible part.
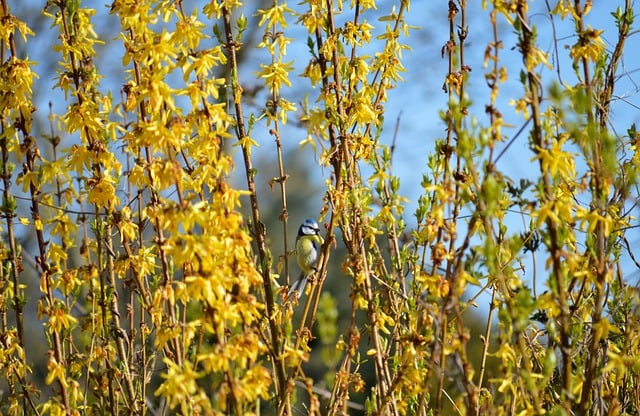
(308, 245)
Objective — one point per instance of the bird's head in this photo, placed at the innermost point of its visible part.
(309, 227)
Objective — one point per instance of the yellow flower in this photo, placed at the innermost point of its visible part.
(590, 46)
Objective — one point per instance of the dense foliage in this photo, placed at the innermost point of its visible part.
(161, 287)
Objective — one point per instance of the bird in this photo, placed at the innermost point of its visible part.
(308, 244)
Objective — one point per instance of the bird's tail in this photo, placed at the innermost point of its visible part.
(299, 285)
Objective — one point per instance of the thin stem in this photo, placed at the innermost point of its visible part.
(259, 232)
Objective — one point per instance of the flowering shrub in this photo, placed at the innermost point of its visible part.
(126, 244)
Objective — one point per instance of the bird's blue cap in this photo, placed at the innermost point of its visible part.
(309, 224)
